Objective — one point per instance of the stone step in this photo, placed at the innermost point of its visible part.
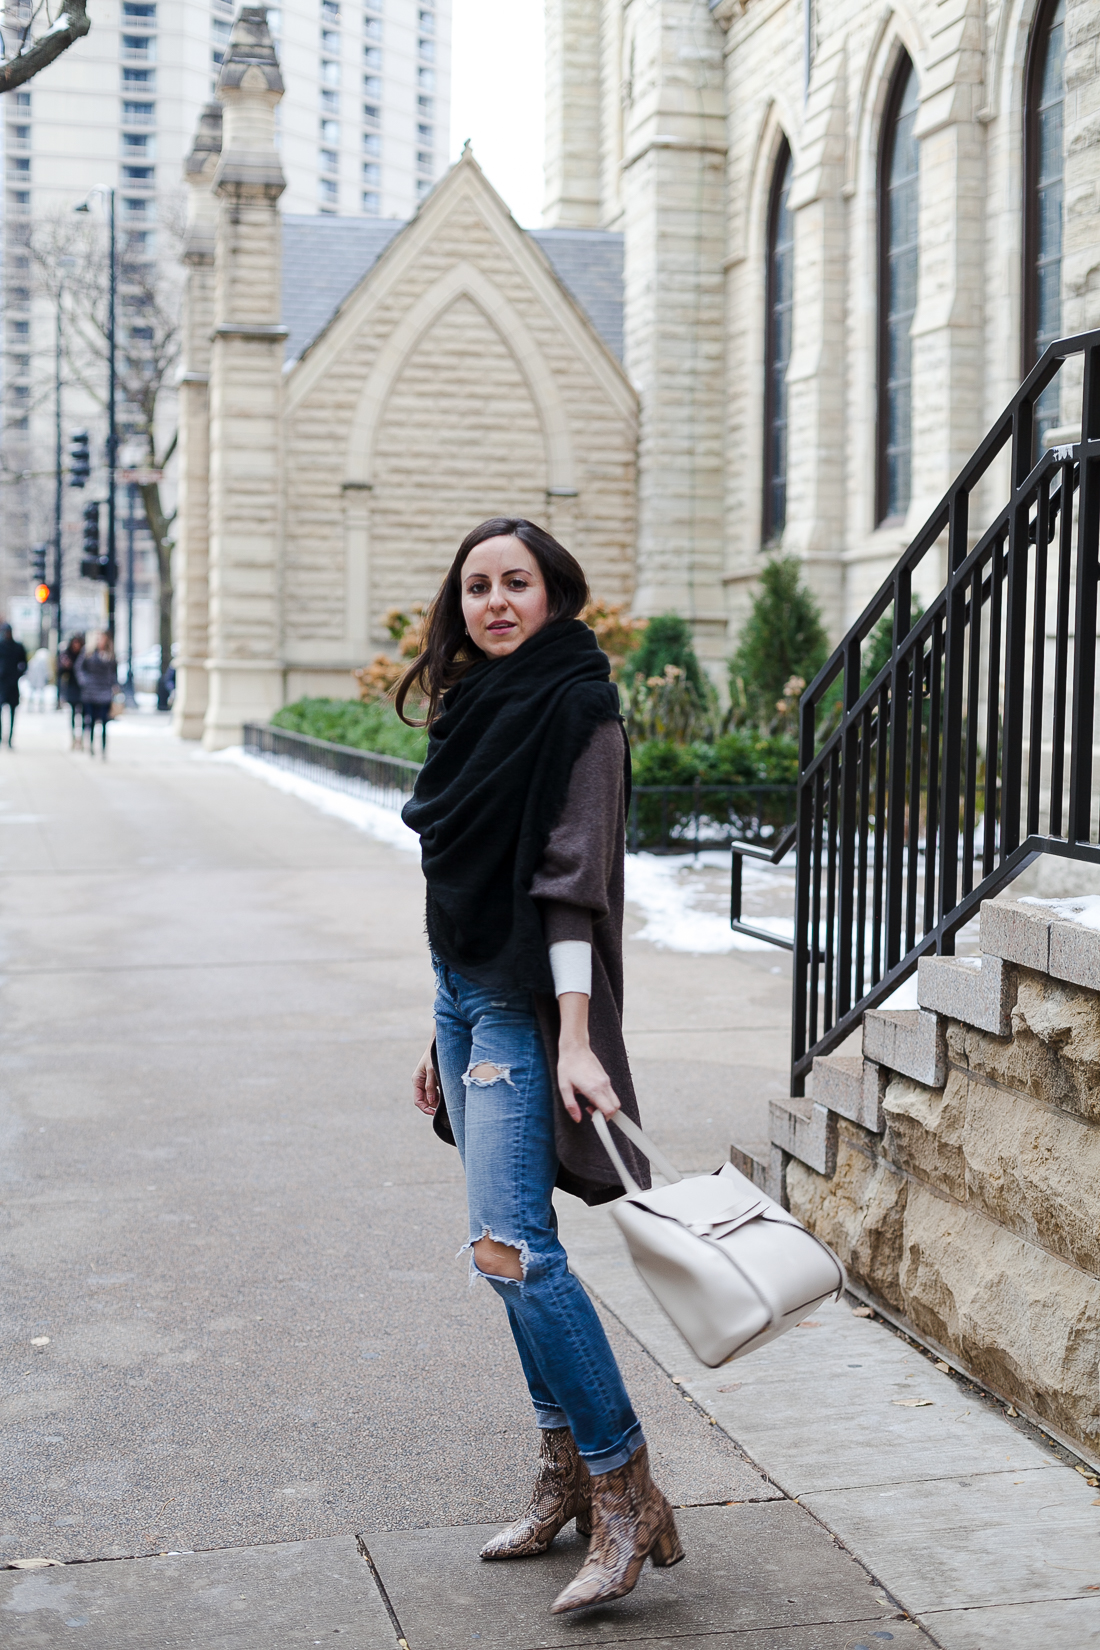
(979, 991)
(851, 1087)
(806, 1130)
(1045, 937)
(910, 1041)
(765, 1166)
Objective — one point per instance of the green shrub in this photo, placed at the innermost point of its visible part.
(879, 645)
(666, 641)
(370, 727)
(742, 757)
(783, 637)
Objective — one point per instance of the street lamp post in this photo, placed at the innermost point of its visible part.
(112, 409)
(131, 495)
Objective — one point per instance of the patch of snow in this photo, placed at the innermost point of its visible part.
(661, 887)
(1083, 909)
(382, 823)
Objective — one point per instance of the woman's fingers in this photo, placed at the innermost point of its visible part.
(425, 1088)
(569, 1099)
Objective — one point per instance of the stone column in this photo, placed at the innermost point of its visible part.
(816, 490)
(246, 677)
(189, 561)
(674, 224)
(948, 346)
(572, 114)
(1081, 231)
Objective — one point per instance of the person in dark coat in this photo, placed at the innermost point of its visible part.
(68, 688)
(520, 809)
(13, 665)
(97, 674)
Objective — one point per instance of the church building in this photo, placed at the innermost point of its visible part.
(798, 254)
(357, 394)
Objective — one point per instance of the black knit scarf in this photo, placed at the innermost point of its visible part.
(492, 789)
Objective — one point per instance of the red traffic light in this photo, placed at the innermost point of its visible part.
(42, 593)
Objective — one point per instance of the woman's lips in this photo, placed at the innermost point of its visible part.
(504, 625)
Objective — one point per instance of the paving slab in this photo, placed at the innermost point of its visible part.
(748, 1569)
(988, 1540)
(839, 1402)
(1055, 1624)
(285, 1597)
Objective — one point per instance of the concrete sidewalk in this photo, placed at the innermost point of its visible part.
(261, 1381)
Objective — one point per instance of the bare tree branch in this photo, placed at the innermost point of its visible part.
(70, 26)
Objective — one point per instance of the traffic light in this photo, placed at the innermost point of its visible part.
(79, 462)
(90, 566)
(43, 593)
(38, 564)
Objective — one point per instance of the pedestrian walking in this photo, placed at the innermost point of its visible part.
(520, 808)
(38, 678)
(97, 674)
(13, 665)
(68, 688)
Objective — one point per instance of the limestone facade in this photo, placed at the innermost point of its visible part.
(696, 102)
(968, 1209)
(457, 380)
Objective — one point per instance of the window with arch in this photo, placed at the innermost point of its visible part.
(899, 169)
(780, 305)
(1045, 91)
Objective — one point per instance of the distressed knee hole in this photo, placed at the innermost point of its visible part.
(486, 1073)
(498, 1260)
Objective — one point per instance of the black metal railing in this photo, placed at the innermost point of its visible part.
(682, 819)
(924, 791)
(388, 780)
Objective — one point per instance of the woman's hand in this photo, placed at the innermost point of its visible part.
(425, 1087)
(579, 1072)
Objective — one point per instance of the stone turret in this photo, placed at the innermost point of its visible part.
(244, 638)
(191, 555)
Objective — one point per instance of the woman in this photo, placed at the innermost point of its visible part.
(520, 811)
(97, 674)
(68, 688)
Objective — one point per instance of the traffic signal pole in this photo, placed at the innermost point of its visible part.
(57, 489)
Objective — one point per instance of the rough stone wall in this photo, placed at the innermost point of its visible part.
(972, 1214)
(490, 394)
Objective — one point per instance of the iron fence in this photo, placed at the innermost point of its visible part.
(972, 750)
(685, 818)
(387, 780)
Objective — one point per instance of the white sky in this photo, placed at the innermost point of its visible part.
(497, 78)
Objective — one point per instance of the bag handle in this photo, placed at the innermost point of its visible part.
(636, 1137)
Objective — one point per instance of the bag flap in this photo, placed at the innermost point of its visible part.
(703, 1200)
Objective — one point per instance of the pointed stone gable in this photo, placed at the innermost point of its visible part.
(458, 379)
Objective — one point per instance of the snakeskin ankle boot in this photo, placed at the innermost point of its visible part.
(631, 1522)
(561, 1492)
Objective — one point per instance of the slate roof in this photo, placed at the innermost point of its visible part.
(589, 263)
(325, 258)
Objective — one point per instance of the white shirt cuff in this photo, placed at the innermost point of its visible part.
(571, 966)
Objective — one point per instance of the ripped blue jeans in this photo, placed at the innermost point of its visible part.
(503, 1124)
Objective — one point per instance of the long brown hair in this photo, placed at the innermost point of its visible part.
(448, 652)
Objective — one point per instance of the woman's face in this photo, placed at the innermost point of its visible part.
(504, 599)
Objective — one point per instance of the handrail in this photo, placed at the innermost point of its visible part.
(970, 752)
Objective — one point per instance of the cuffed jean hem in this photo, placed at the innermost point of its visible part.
(549, 1418)
(609, 1460)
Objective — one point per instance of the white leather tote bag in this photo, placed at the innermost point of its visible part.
(730, 1267)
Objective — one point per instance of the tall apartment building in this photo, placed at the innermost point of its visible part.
(363, 130)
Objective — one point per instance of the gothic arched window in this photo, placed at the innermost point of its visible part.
(897, 292)
(1043, 173)
(780, 301)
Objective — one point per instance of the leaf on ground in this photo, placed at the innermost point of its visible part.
(913, 1403)
(862, 1312)
(41, 1340)
(810, 1323)
(944, 1368)
(735, 1387)
(35, 1563)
